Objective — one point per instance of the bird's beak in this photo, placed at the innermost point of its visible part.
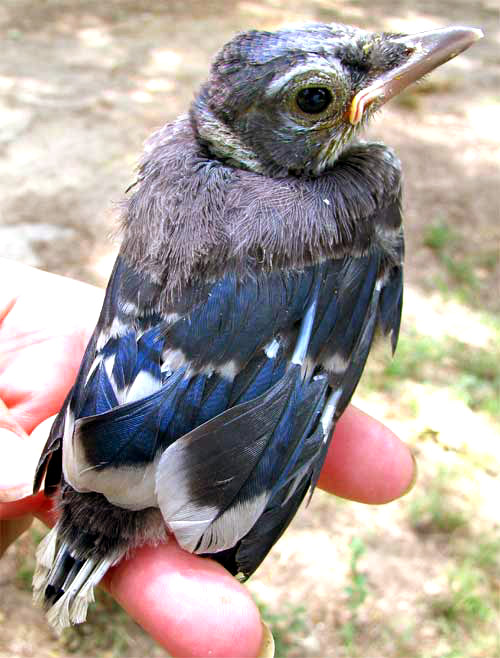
(428, 50)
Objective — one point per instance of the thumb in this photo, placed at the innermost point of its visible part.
(20, 454)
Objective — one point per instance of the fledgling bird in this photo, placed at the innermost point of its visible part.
(262, 249)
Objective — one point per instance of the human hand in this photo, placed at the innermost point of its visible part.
(45, 323)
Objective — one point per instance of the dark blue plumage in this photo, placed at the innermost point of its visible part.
(254, 425)
(223, 329)
(262, 249)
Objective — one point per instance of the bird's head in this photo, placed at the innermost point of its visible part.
(291, 100)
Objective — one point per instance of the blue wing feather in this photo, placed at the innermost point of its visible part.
(128, 434)
(294, 469)
(124, 350)
(215, 400)
(149, 350)
(240, 316)
(132, 406)
(354, 300)
(258, 376)
(391, 305)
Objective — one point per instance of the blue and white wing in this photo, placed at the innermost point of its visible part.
(220, 409)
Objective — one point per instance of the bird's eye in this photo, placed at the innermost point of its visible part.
(314, 100)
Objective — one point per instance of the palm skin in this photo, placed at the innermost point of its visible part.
(190, 605)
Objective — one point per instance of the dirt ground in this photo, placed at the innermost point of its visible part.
(82, 85)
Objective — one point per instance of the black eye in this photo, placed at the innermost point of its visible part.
(314, 100)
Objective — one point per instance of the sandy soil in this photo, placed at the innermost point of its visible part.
(82, 85)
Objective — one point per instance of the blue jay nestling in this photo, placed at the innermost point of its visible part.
(262, 249)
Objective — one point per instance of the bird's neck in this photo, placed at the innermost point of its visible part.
(220, 140)
(193, 218)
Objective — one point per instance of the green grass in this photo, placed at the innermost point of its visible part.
(468, 611)
(357, 592)
(465, 269)
(473, 373)
(438, 236)
(485, 554)
(464, 614)
(488, 258)
(479, 381)
(465, 602)
(435, 509)
(26, 559)
(24, 577)
(461, 271)
(285, 626)
(413, 356)
(401, 637)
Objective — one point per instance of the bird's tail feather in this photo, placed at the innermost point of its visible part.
(63, 584)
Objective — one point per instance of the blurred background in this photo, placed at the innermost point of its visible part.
(82, 85)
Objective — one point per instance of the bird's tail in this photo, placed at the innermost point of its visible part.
(64, 584)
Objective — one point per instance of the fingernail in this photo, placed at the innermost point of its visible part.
(267, 644)
(415, 474)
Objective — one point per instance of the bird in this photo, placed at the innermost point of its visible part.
(261, 254)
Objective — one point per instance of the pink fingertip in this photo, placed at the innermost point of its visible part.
(190, 605)
(366, 462)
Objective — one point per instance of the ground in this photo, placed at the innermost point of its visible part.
(82, 84)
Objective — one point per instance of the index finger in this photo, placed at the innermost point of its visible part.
(367, 462)
(191, 605)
